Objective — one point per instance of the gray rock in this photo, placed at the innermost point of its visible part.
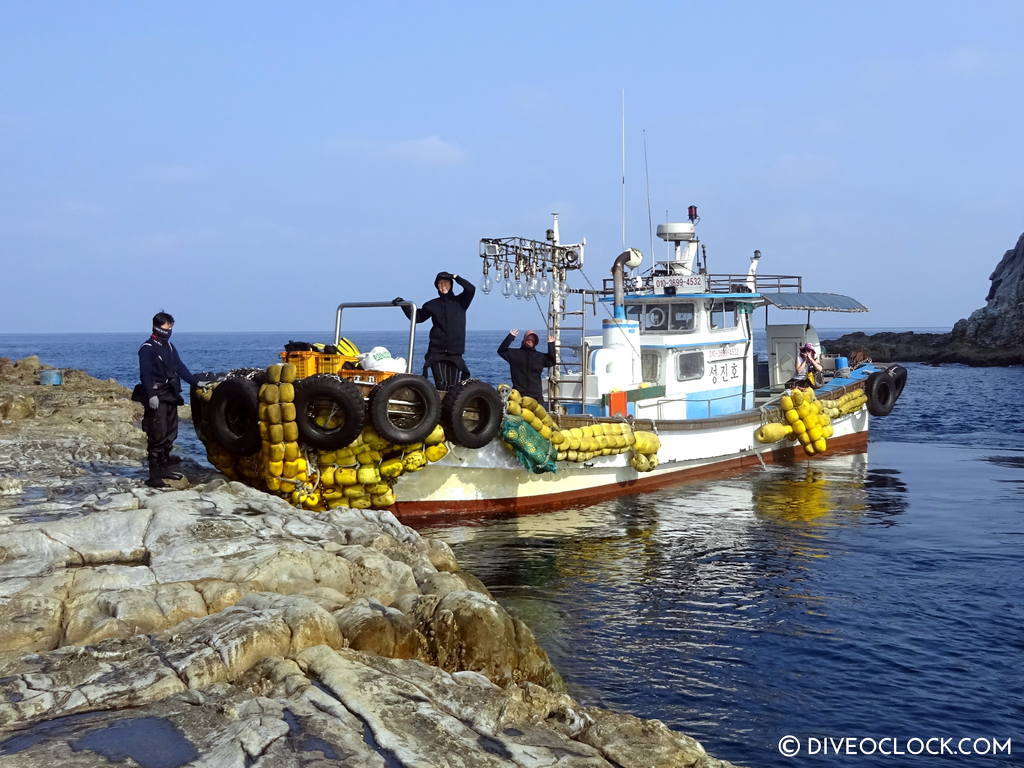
(219, 626)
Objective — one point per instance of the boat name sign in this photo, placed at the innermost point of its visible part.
(681, 283)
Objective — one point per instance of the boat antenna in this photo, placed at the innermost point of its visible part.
(647, 178)
(623, 137)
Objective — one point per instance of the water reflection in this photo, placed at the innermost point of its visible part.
(738, 608)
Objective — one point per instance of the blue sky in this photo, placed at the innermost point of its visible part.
(250, 165)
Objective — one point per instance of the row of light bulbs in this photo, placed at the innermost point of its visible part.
(524, 286)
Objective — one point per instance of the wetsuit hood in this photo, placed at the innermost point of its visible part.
(444, 276)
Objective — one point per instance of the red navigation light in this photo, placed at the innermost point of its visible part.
(692, 212)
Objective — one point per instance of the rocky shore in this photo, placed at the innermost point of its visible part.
(218, 626)
(992, 335)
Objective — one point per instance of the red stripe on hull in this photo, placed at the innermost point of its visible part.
(433, 512)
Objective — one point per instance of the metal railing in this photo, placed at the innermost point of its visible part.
(367, 304)
(685, 399)
(717, 283)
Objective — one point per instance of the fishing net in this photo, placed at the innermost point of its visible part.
(533, 451)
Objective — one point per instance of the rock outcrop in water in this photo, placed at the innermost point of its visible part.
(218, 626)
(992, 335)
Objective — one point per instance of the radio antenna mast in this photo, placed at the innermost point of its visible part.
(647, 178)
(623, 168)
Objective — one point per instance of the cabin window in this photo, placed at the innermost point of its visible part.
(663, 317)
(650, 366)
(689, 365)
(656, 318)
(681, 316)
(723, 314)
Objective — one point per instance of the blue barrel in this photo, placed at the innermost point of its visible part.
(842, 367)
(51, 377)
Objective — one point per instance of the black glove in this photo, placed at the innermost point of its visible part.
(397, 300)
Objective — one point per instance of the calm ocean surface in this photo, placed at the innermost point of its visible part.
(877, 595)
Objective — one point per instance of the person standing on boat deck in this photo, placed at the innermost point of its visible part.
(527, 363)
(807, 366)
(161, 371)
(448, 330)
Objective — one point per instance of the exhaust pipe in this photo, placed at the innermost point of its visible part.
(631, 258)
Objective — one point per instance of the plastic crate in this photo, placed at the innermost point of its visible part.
(333, 363)
(304, 362)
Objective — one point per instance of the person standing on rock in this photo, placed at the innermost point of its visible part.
(161, 371)
(527, 363)
(448, 332)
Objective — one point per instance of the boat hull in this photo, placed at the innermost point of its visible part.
(489, 481)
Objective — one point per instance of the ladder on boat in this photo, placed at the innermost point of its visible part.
(572, 323)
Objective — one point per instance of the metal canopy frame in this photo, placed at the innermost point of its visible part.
(363, 304)
(818, 302)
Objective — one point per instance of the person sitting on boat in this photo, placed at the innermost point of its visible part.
(527, 363)
(808, 369)
(448, 331)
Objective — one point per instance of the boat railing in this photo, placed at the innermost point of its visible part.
(717, 283)
(688, 400)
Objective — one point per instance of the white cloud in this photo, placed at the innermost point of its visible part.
(429, 150)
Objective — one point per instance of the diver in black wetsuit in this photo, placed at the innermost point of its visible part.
(448, 331)
(161, 371)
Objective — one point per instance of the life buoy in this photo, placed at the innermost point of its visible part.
(880, 389)
(233, 416)
(337, 403)
(471, 414)
(404, 409)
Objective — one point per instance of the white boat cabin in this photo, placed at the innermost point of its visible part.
(679, 343)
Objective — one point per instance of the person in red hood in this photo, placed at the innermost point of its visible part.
(526, 363)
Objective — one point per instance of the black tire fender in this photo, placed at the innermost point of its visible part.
(233, 416)
(347, 402)
(899, 376)
(471, 396)
(396, 428)
(880, 389)
(199, 406)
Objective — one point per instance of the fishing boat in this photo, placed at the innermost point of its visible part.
(671, 389)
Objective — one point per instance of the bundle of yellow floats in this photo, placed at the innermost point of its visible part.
(580, 444)
(360, 475)
(808, 418)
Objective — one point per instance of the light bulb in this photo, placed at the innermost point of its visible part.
(506, 288)
(520, 289)
(487, 284)
(533, 284)
(563, 287)
(544, 286)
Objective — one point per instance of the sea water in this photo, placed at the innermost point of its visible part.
(874, 597)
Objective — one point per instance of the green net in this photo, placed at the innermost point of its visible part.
(533, 451)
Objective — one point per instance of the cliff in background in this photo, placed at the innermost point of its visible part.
(992, 335)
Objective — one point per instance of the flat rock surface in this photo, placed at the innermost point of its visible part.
(218, 626)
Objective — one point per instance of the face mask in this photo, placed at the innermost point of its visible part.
(162, 332)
